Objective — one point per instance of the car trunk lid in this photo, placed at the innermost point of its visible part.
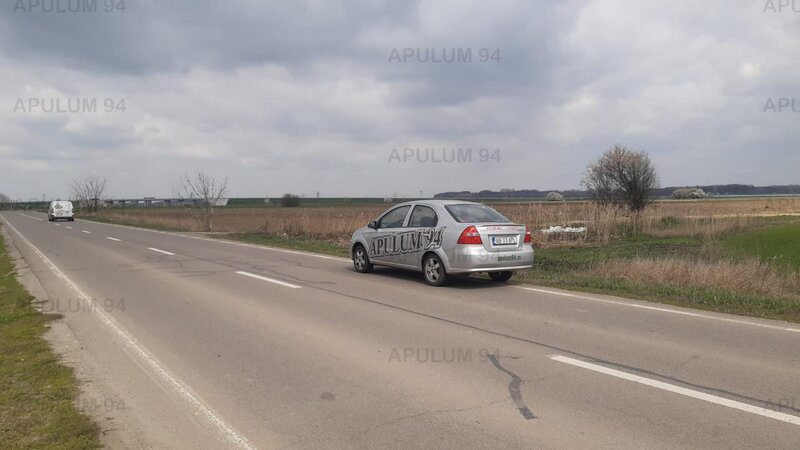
(501, 237)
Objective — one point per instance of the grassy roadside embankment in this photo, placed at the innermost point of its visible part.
(39, 394)
(729, 273)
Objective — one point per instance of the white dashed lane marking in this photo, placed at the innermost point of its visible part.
(161, 251)
(269, 280)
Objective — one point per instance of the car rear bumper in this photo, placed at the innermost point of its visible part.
(475, 258)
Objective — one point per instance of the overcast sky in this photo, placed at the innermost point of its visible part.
(306, 96)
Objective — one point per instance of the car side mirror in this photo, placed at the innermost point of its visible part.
(372, 224)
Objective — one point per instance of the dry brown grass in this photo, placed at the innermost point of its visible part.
(706, 227)
(706, 218)
(750, 276)
(316, 223)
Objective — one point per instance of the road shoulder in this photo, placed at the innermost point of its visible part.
(95, 398)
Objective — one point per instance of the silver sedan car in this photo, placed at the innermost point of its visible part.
(441, 238)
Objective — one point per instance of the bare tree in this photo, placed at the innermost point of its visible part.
(5, 201)
(89, 189)
(202, 192)
(623, 178)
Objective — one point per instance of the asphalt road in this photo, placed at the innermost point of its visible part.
(200, 343)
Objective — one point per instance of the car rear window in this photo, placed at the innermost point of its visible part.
(475, 214)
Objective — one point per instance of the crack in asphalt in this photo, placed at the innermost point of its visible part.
(514, 389)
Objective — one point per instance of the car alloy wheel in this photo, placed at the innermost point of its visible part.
(361, 260)
(435, 274)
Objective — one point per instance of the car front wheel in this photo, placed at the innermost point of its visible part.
(433, 268)
(501, 276)
(361, 260)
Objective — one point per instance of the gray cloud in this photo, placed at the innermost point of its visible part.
(305, 96)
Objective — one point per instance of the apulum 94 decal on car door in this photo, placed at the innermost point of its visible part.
(405, 242)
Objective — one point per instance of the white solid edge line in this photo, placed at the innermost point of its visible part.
(665, 310)
(112, 239)
(270, 280)
(161, 251)
(772, 414)
(130, 342)
(87, 232)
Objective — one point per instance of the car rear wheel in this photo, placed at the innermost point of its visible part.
(501, 276)
(361, 260)
(433, 268)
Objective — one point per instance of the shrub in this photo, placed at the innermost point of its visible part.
(554, 197)
(687, 193)
(290, 200)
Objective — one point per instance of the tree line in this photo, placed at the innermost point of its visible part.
(712, 189)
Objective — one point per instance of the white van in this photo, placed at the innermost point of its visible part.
(60, 210)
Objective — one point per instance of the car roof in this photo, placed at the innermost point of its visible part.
(437, 202)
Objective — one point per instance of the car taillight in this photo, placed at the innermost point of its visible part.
(528, 239)
(470, 236)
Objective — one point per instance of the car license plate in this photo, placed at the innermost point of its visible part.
(504, 240)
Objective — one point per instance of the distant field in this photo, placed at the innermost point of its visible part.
(338, 222)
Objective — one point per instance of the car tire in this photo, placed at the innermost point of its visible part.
(72, 219)
(361, 260)
(433, 270)
(500, 277)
